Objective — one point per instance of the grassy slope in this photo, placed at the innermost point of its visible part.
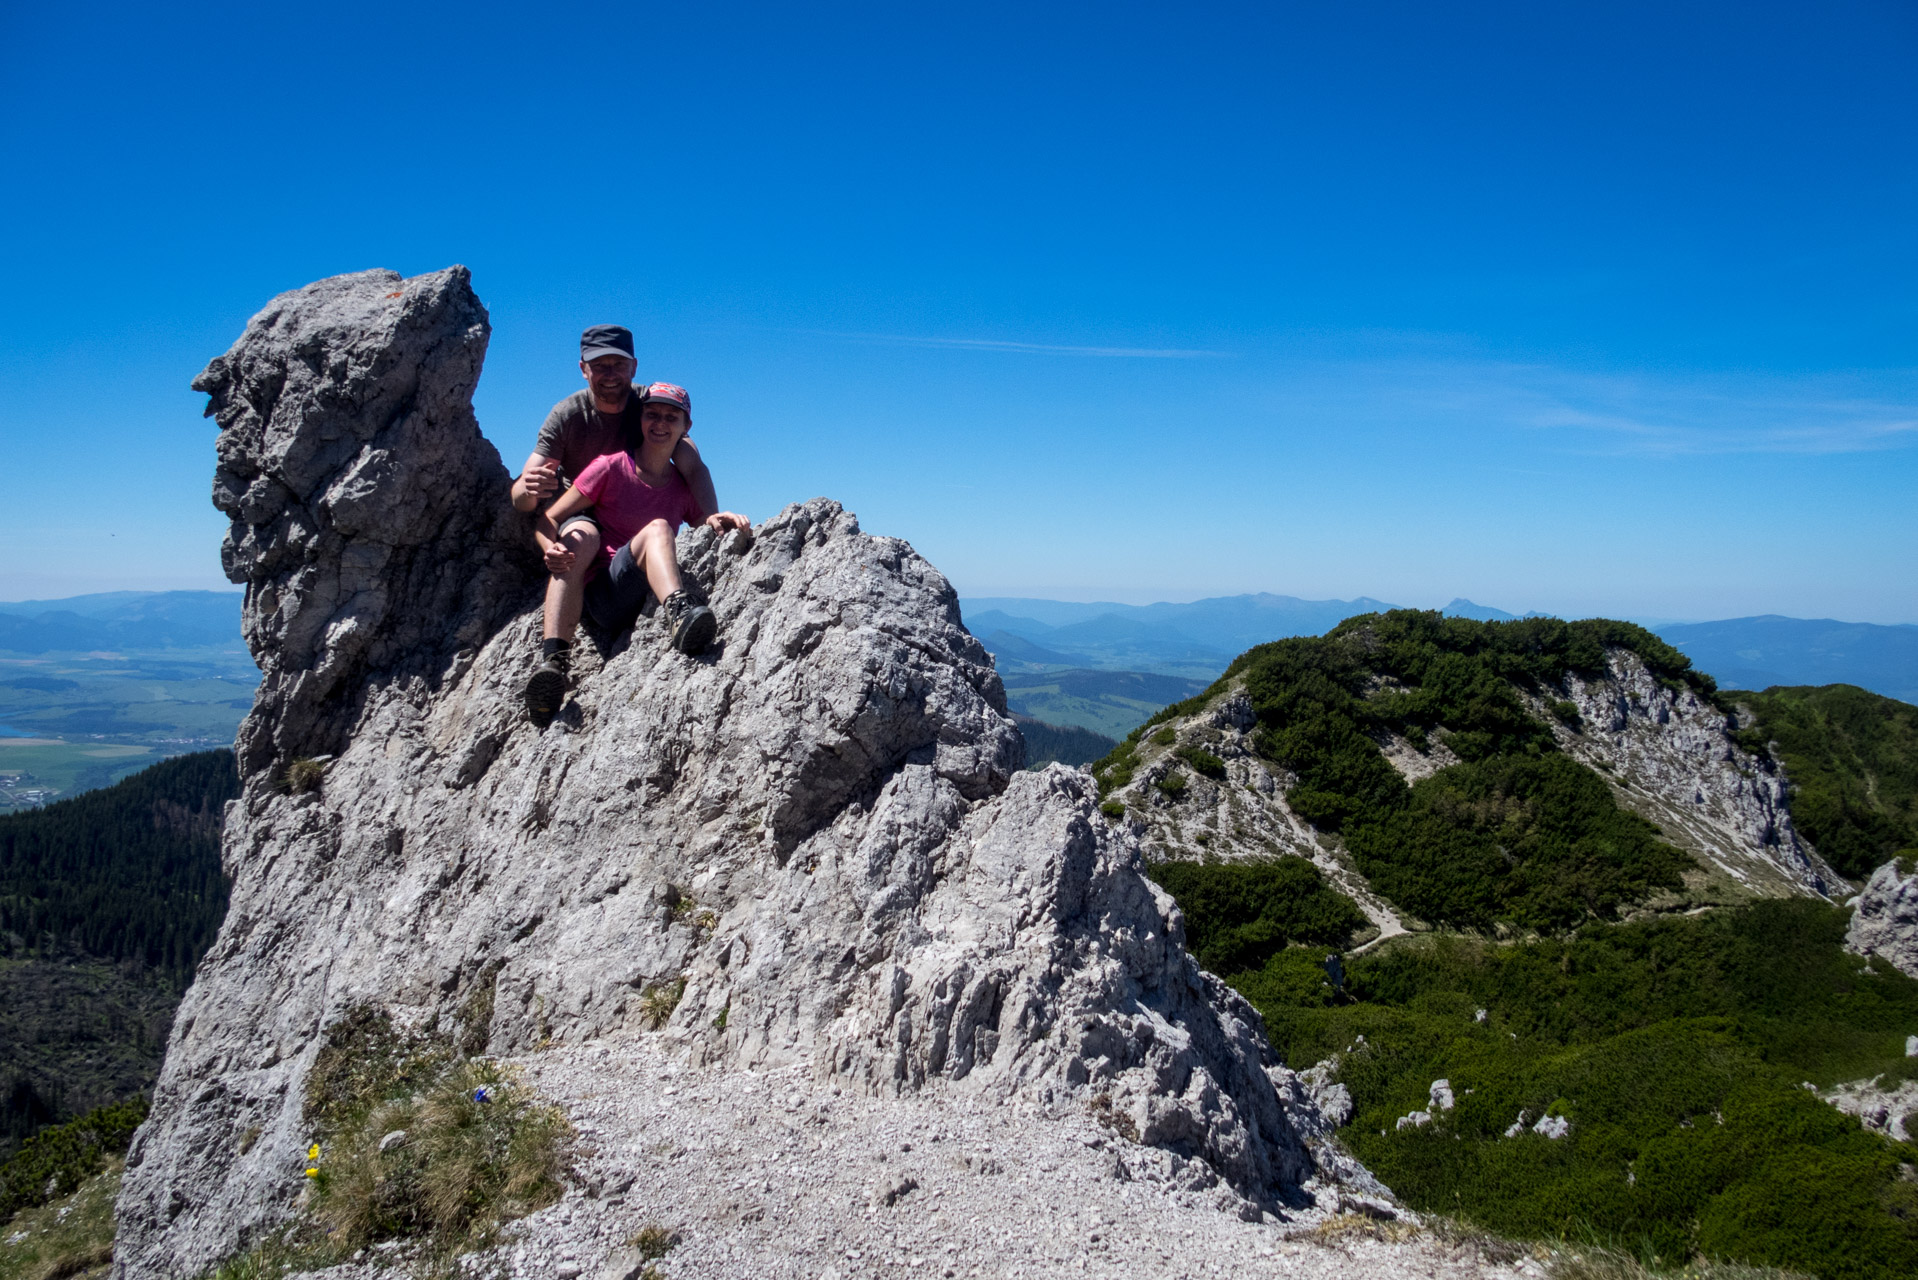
(1678, 1049)
(1852, 758)
(70, 1238)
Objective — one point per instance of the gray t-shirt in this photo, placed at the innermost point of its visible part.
(576, 432)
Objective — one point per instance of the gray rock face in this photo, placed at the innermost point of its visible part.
(1884, 918)
(1240, 817)
(820, 827)
(368, 526)
(1670, 757)
(1881, 1105)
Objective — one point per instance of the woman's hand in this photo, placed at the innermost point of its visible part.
(725, 520)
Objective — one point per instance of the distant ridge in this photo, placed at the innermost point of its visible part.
(122, 620)
(1761, 652)
(1463, 608)
(1198, 640)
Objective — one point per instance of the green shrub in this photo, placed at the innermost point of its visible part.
(1165, 737)
(1517, 833)
(1677, 1047)
(1239, 915)
(1203, 763)
(301, 776)
(1536, 840)
(478, 1151)
(1115, 770)
(1566, 711)
(413, 1142)
(1852, 759)
(1173, 784)
(364, 1061)
(55, 1161)
(656, 1005)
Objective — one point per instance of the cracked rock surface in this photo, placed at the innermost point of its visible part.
(821, 827)
(1884, 918)
(1670, 757)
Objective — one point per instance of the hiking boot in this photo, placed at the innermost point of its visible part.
(691, 625)
(546, 689)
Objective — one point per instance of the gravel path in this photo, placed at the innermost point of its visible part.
(763, 1175)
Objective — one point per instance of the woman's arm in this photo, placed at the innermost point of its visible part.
(692, 469)
(570, 503)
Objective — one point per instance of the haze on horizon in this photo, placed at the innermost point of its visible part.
(1588, 310)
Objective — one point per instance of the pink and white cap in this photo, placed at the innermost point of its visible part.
(670, 394)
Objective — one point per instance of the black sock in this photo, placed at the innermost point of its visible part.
(552, 647)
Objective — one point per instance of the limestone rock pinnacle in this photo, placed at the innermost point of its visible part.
(821, 828)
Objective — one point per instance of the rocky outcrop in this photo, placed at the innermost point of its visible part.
(1884, 918)
(817, 837)
(1881, 1105)
(1671, 758)
(367, 523)
(1238, 813)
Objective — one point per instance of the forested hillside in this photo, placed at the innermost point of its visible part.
(130, 872)
(1852, 757)
(1064, 743)
(107, 902)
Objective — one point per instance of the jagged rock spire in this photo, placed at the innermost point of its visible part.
(819, 830)
(369, 523)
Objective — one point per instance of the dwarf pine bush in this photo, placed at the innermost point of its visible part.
(1677, 1048)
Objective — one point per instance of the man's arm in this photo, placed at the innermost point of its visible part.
(692, 469)
(539, 477)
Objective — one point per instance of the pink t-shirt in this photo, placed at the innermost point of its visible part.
(623, 504)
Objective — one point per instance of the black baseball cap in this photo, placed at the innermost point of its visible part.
(606, 340)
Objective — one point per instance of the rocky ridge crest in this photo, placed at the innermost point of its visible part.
(821, 828)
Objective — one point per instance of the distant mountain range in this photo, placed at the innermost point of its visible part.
(121, 620)
(1198, 640)
(1757, 653)
(1103, 666)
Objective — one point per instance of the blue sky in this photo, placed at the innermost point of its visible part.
(1589, 309)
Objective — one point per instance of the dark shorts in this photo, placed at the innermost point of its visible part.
(616, 595)
(581, 519)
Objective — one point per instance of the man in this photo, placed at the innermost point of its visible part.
(602, 419)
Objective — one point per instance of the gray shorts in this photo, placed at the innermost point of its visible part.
(615, 597)
(574, 521)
